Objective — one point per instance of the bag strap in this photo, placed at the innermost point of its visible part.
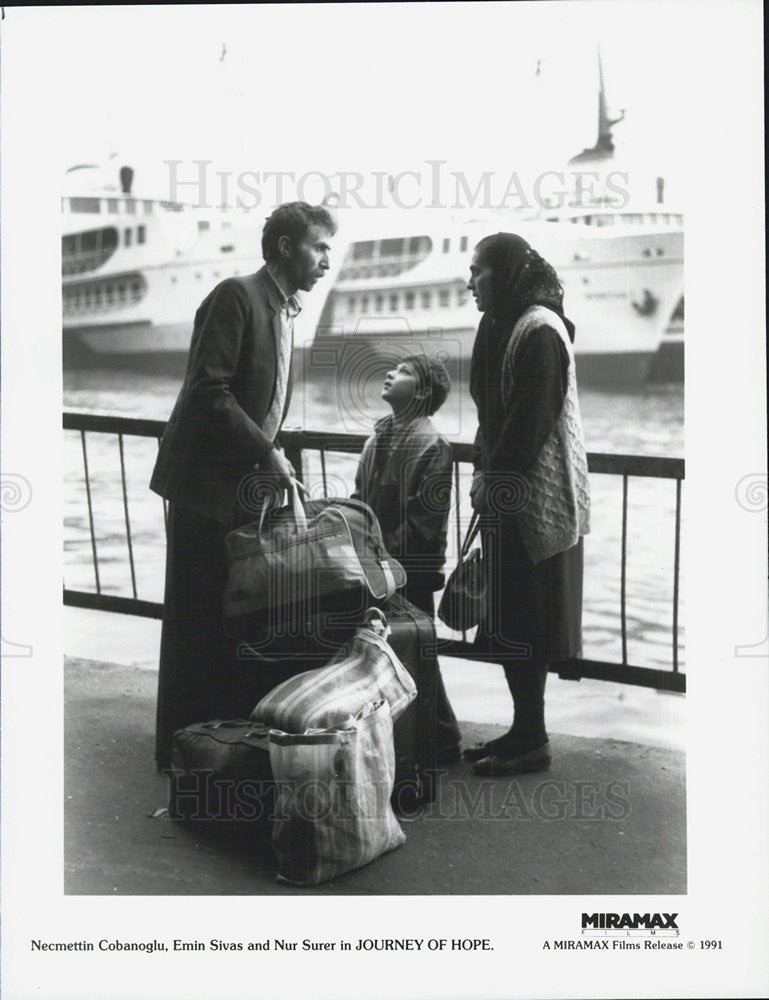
(384, 565)
(294, 502)
(472, 530)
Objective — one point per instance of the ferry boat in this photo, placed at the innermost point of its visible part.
(135, 269)
(619, 258)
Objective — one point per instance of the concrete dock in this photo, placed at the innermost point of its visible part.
(608, 817)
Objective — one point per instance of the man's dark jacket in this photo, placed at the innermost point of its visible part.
(214, 436)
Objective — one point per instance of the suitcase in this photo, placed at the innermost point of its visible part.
(221, 772)
(413, 640)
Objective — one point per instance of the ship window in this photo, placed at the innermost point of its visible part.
(112, 205)
(394, 302)
(141, 233)
(97, 296)
(426, 299)
(84, 205)
(391, 248)
(136, 290)
(463, 244)
(364, 304)
(203, 225)
(351, 304)
(443, 296)
(419, 245)
(227, 248)
(446, 245)
(461, 295)
(130, 206)
(409, 300)
(121, 292)
(87, 297)
(127, 237)
(110, 293)
(363, 250)
(147, 205)
(379, 302)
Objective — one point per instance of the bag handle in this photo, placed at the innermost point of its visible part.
(472, 530)
(294, 502)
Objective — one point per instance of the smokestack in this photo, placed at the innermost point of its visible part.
(126, 179)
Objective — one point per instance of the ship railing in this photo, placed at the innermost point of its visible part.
(85, 260)
(380, 267)
(303, 447)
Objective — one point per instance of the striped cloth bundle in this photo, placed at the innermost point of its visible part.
(333, 811)
(364, 670)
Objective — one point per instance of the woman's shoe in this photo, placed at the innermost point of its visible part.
(538, 759)
(478, 752)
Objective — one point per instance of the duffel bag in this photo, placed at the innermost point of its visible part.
(320, 557)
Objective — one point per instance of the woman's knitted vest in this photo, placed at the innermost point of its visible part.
(556, 511)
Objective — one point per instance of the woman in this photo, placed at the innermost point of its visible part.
(530, 487)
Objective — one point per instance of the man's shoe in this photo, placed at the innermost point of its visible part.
(449, 754)
(534, 760)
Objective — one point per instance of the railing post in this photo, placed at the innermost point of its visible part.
(676, 572)
(127, 518)
(90, 513)
(623, 578)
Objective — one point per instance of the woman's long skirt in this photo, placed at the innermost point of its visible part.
(534, 610)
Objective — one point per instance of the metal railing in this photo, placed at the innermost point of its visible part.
(297, 443)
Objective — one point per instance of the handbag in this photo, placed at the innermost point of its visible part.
(364, 670)
(463, 602)
(323, 556)
(333, 811)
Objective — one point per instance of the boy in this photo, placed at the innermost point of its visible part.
(404, 475)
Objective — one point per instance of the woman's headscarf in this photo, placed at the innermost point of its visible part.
(520, 279)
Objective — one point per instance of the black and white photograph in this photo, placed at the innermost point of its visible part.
(384, 580)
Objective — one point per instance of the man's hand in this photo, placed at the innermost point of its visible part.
(478, 493)
(276, 465)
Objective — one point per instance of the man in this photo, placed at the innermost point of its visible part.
(231, 406)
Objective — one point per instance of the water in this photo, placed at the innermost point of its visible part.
(648, 421)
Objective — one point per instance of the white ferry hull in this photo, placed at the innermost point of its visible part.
(620, 291)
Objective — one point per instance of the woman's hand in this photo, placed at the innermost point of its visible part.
(478, 493)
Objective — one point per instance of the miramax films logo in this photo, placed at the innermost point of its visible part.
(634, 921)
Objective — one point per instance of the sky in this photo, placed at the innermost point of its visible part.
(360, 87)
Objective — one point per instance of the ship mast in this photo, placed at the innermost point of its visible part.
(604, 145)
